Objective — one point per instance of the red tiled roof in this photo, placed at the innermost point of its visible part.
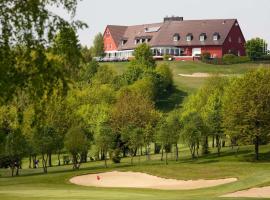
(164, 36)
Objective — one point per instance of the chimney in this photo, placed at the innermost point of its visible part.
(173, 18)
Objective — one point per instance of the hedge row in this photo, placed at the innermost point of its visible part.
(227, 59)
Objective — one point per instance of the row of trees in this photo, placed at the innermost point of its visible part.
(117, 114)
(236, 109)
(54, 99)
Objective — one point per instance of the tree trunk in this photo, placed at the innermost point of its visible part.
(12, 169)
(105, 160)
(257, 147)
(75, 162)
(213, 141)
(223, 143)
(58, 157)
(30, 162)
(44, 163)
(218, 141)
(131, 161)
(148, 152)
(205, 149)
(50, 159)
(162, 154)
(34, 161)
(17, 170)
(176, 152)
(166, 157)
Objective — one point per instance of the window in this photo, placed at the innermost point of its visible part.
(176, 37)
(202, 37)
(189, 37)
(108, 33)
(216, 36)
(123, 42)
(137, 41)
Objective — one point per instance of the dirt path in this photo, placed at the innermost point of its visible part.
(263, 192)
(142, 180)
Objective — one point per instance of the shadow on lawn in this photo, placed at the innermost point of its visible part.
(171, 99)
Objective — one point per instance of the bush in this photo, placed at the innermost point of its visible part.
(116, 157)
(205, 56)
(265, 57)
(233, 59)
(167, 57)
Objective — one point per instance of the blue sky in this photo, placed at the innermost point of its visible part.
(253, 15)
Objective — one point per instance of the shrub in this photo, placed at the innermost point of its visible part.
(265, 57)
(167, 57)
(205, 56)
(233, 59)
(116, 157)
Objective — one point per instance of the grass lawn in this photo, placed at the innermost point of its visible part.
(189, 84)
(55, 185)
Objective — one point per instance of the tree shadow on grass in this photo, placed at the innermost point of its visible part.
(263, 157)
(170, 99)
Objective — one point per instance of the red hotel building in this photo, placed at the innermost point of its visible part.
(183, 39)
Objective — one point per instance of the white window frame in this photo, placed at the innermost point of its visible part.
(188, 38)
(176, 38)
(202, 38)
(215, 37)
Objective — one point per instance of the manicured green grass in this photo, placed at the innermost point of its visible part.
(55, 185)
(188, 84)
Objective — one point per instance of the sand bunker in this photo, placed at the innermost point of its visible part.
(196, 75)
(204, 75)
(141, 180)
(263, 192)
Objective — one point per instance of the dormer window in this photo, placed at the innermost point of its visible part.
(189, 37)
(137, 41)
(123, 42)
(203, 37)
(176, 37)
(216, 36)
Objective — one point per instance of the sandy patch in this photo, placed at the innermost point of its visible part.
(205, 75)
(196, 75)
(142, 180)
(263, 192)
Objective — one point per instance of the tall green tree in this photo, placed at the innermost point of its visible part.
(256, 48)
(133, 138)
(246, 108)
(212, 110)
(66, 45)
(98, 48)
(143, 57)
(168, 133)
(76, 142)
(27, 29)
(192, 131)
(15, 150)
